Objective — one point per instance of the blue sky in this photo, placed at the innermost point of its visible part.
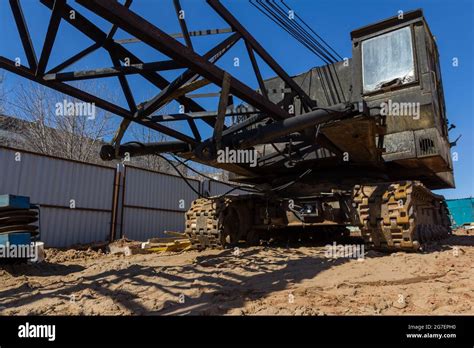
(450, 21)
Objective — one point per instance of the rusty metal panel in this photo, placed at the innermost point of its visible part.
(144, 188)
(142, 224)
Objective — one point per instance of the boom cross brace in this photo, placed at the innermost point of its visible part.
(264, 121)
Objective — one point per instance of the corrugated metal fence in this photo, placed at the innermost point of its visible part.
(84, 203)
(75, 198)
(462, 210)
(154, 202)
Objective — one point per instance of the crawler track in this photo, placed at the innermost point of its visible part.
(393, 216)
(204, 223)
(400, 216)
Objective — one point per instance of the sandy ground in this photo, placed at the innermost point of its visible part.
(252, 281)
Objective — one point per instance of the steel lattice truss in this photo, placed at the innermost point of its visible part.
(200, 71)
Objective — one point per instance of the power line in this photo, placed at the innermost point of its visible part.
(297, 28)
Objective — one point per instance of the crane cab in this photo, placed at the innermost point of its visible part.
(396, 71)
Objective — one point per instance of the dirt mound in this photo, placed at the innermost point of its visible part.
(61, 256)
